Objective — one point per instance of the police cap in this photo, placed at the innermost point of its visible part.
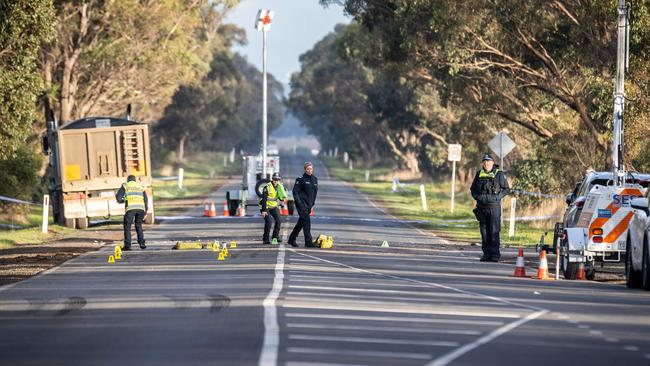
(487, 157)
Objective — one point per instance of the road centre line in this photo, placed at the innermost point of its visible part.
(449, 357)
(307, 337)
(402, 292)
(409, 329)
(294, 363)
(394, 319)
(393, 308)
(269, 352)
(341, 352)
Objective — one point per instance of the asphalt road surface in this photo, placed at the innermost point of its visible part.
(421, 301)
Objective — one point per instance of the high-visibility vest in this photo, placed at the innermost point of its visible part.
(275, 195)
(133, 196)
(487, 181)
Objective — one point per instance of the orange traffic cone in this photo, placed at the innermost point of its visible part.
(580, 275)
(520, 269)
(284, 211)
(542, 271)
(239, 210)
(213, 210)
(242, 211)
(206, 210)
(226, 211)
(311, 213)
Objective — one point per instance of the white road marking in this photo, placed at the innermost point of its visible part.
(269, 353)
(595, 332)
(393, 308)
(409, 329)
(372, 290)
(631, 348)
(451, 356)
(294, 363)
(387, 297)
(393, 319)
(611, 339)
(583, 326)
(307, 337)
(342, 352)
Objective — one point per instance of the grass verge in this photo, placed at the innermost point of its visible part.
(458, 226)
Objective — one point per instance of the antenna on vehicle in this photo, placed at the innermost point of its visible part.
(622, 62)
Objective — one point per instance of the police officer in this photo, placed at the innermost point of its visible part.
(272, 194)
(133, 195)
(488, 188)
(304, 196)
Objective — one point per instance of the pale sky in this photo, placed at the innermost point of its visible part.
(296, 26)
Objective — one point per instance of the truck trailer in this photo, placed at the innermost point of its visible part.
(89, 159)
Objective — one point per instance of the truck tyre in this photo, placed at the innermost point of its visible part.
(645, 271)
(291, 206)
(590, 271)
(632, 277)
(569, 269)
(82, 223)
(259, 186)
(149, 219)
(71, 223)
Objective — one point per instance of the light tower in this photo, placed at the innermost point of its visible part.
(263, 23)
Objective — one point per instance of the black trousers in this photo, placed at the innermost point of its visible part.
(490, 224)
(304, 224)
(275, 212)
(130, 216)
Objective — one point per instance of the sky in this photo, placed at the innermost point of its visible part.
(297, 25)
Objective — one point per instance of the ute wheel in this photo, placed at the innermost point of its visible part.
(71, 223)
(632, 277)
(259, 186)
(149, 219)
(82, 223)
(291, 206)
(645, 271)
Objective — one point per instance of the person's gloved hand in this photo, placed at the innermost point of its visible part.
(264, 213)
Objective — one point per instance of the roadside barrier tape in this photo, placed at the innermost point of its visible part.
(536, 194)
(165, 178)
(15, 200)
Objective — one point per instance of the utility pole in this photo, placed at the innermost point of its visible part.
(263, 23)
(622, 63)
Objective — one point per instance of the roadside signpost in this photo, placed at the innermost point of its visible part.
(454, 153)
(263, 23)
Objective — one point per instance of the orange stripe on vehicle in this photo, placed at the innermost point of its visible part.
(619, 229)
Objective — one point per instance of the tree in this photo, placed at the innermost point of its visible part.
(24, 25)
(110, 53)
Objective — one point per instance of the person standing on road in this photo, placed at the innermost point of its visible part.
(272, 195)
(133, 195)
(488, 188)
(304, 196)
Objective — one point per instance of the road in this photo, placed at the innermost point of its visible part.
(421, 301)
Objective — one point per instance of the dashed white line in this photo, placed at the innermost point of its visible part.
(353, 353)
(393, 319)
(631, 348)
(409, 329)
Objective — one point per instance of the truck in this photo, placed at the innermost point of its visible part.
(252, 183)
(597, 221)
(89, 160)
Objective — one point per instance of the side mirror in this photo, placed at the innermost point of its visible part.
(569, 199)
(640, 203)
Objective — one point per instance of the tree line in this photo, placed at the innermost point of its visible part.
(169, 59)
(406, 78)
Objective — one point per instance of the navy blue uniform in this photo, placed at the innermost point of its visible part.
(488, 188)
(304, 191)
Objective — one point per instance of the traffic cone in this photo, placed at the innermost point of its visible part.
(239, 210)
(284, 211)
(311, 213)
(213, 210)
(580, 275)
(520, 269)
(542, 271)
(226, 211)
(206, 210)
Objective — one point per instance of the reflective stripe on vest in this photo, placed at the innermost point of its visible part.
(489, 175)
(272, 199)
(134, 196)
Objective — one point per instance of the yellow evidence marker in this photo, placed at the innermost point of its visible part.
(221, 256)
(215, 246)
(111, 259)
(233, 244)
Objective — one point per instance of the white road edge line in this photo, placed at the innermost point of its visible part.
(449, 357)
(269, 353)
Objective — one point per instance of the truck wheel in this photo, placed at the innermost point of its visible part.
(645, 272)
(590, 271)
(71, 223)
(149, 219)
(259, 186)
(632, 277)
(82, 223)
(291, 206)
(569, 269)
